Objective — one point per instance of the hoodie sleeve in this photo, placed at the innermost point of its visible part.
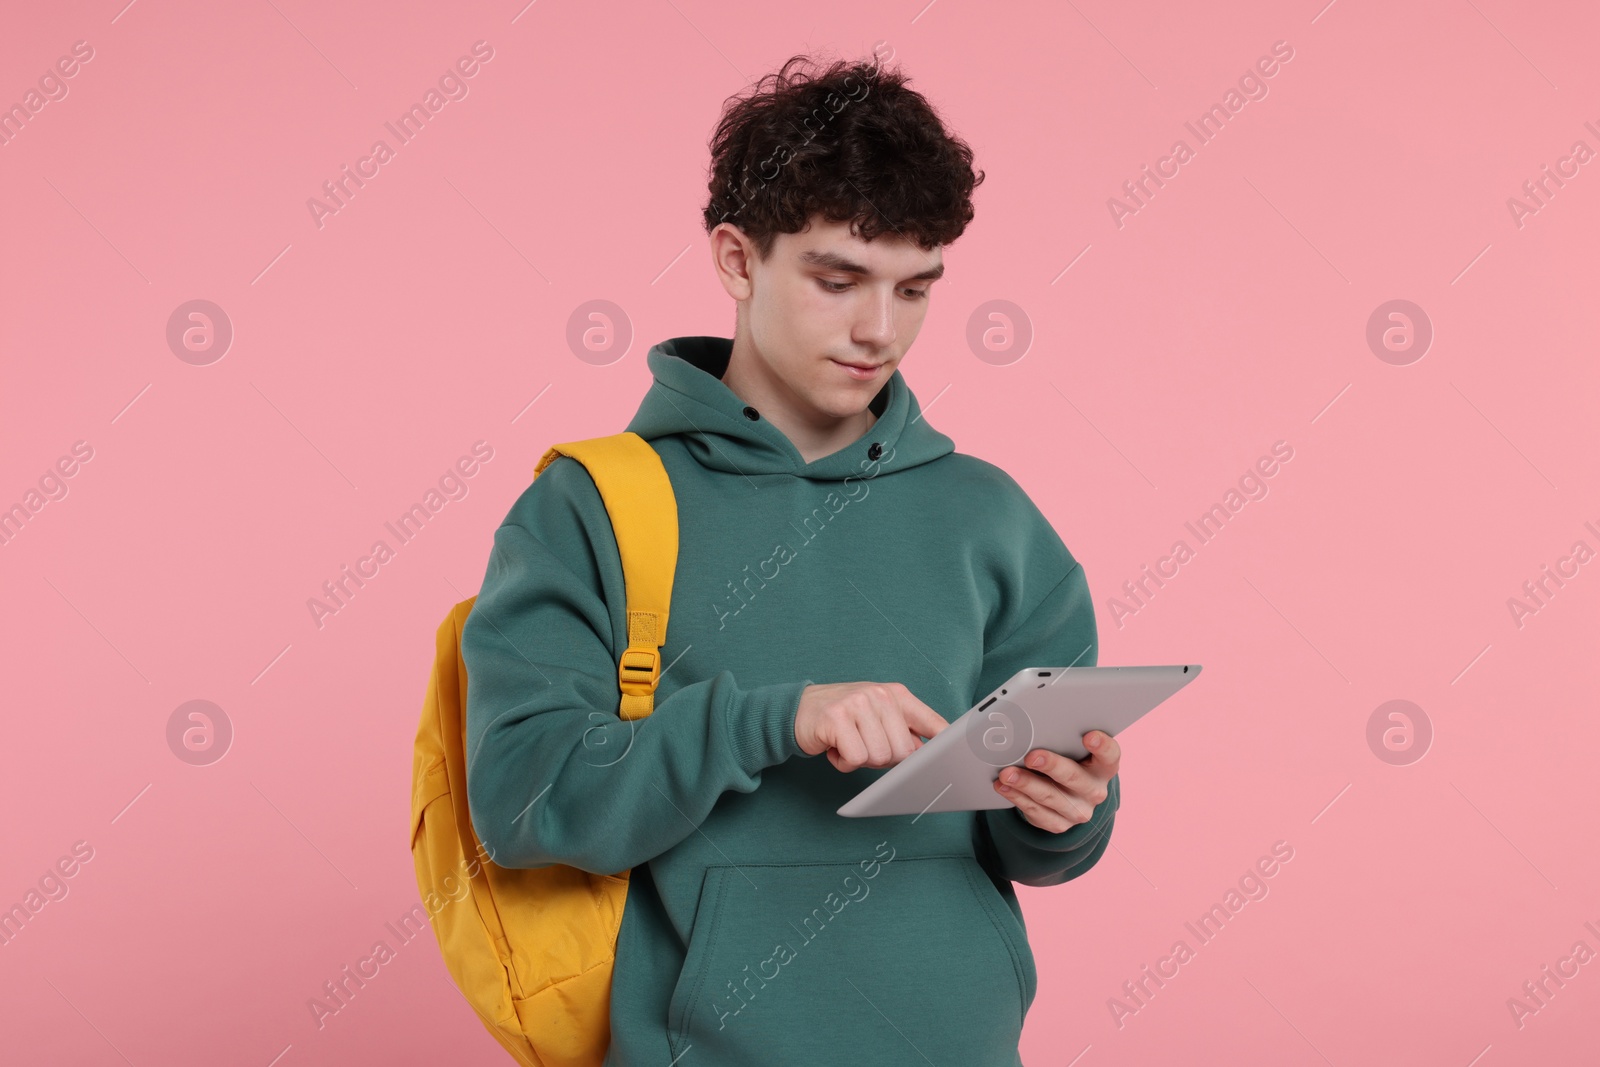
(554, 774)
(1059, 631)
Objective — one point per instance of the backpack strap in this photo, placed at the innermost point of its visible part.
(638, 497)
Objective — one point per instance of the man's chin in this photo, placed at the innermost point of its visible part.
(843, 403)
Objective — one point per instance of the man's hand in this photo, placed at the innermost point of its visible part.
(863, 724)
(1059, 793)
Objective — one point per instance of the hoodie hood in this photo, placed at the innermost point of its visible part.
(689, 398)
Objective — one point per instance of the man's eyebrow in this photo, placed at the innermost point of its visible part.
(835, 261)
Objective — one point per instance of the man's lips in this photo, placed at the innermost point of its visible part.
(860, 372)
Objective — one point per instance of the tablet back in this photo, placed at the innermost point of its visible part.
(1038, 707)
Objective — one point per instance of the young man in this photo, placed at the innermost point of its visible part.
(847, 583)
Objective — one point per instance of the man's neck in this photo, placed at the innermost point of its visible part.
(814, 435)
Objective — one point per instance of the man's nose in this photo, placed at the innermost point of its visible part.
(876, 325)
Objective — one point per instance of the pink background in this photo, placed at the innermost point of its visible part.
(1228, 313)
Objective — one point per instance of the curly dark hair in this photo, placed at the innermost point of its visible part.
(851, 143)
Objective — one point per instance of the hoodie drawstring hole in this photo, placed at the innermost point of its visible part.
(875, 451)
(751, 413)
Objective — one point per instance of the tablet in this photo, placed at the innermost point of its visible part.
(1038, 707)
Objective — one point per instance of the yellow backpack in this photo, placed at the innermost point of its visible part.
(532, 949)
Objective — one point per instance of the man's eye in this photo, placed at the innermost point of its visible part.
(839, 287)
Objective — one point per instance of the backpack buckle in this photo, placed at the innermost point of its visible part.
(639, 671)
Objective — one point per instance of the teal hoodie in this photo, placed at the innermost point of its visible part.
(761, 927)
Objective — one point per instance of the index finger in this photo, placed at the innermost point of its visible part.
(923, 720)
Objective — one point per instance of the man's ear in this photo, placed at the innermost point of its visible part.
(732, 255)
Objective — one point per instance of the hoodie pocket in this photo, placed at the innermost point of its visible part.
(875, 961)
